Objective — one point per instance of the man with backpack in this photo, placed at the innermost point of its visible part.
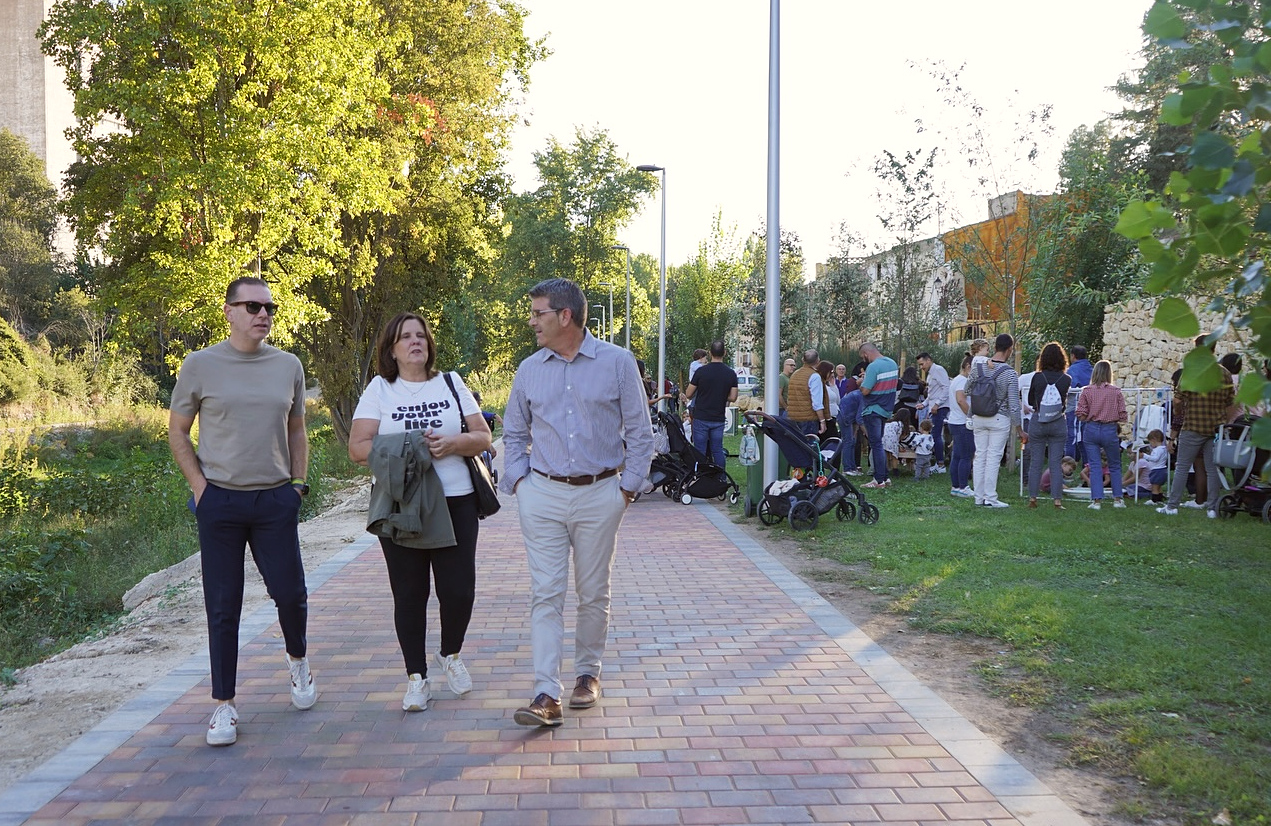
(878, 391)
(993, 390)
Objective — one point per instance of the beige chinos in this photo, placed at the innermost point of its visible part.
(556, 516)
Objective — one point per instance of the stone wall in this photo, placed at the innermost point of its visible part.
(1143, 356)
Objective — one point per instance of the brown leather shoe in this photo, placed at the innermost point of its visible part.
(544, 711)
(586, 692)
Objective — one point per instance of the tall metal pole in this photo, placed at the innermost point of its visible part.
(601, 307)
(661, 289)
(610, 286)
(772, 282)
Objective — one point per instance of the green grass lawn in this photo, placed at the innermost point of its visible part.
(1152, 633)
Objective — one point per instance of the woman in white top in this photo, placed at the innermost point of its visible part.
(959, 429)
(410, 394)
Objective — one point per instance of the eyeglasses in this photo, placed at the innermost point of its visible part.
(535, 315)
(254, 307)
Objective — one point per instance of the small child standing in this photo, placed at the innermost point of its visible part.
(923, 444)
(1157, 464)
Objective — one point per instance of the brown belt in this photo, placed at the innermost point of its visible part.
(579, 481)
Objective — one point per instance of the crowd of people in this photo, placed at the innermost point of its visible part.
(1068, 416)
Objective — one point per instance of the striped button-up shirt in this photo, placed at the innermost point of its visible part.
(578, 417)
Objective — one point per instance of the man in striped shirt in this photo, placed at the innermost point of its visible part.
(1198, 417)
(579, 404)
(878, 390)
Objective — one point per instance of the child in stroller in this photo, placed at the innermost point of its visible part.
(817, 487)
(1243, 471)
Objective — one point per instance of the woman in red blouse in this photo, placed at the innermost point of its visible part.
(1101, 408)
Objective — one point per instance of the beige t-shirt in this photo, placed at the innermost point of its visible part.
(242, 401)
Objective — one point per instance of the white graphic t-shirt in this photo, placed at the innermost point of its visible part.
(404, 406)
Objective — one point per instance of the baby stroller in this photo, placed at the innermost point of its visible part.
(817, 489)
(683, 472)
(1241, 468)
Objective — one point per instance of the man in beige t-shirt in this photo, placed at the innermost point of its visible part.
(248, 478)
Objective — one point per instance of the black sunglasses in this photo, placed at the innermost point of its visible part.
(254, 307)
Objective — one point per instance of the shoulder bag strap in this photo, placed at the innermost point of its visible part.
(463, 421)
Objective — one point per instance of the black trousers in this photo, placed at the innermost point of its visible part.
(455, 571)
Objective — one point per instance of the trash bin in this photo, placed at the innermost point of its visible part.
(731, 414)
(754, 478)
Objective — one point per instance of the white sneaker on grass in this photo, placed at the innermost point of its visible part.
(996, 503)
(222, 729)
(457, 678)
(1212, 514)
(1094, 506)
(1193, 504)
(1118, 503)
(417, 694)
(1166, 510)
(303, 691)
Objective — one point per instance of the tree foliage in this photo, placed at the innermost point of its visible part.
(1082, 264)
(700, 297)
(747, 313)
(1214, 242)
(29, 274)
(567, 226)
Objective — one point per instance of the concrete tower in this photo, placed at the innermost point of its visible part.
(34, 101)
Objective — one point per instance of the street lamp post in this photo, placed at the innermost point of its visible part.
(601, 307)
(626, 319)
(610, 286)
(648, 167)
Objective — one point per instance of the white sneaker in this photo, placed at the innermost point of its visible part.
(417, 694)
(1094, 506)
(1193, 504)
(852, 473)
(303, 691)
(1212, 514)
(222, 730)
(457, 678)
(939, 469)
(1166, 510)
(997, 503)
(1118, 503)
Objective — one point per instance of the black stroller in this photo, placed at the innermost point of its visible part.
(818, 487)
(1242, 471)
(682, 472)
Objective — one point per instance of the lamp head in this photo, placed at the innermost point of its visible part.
(648, 167)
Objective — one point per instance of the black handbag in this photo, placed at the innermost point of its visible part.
(482, 482)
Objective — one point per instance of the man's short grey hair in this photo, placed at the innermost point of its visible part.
(563, 294)
(811, 357)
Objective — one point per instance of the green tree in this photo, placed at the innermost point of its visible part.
(902, 274)
(750, 302)
(453, 72)
(1082, 264)
(214, 139)
(567, 227)
(843, 291)
(29, 274)
(700, 298)
(1214, 243)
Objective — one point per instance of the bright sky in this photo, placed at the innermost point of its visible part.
(684, 84)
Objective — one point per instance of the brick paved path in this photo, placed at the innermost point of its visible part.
(732, 694)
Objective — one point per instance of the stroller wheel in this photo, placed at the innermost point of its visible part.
(668, 490)
(1266, 513)
(845, 511)
(869, 514)
(766, 515)
(1228, 506)
(733, 496)
(803, 516)
(686, 498)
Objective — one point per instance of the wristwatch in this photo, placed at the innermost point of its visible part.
(301, 486)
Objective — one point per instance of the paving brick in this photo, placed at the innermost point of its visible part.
(726, 701)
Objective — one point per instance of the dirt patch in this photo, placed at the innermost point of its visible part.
(59, 699)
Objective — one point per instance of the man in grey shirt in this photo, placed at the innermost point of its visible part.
(580, 404)
(247, 478)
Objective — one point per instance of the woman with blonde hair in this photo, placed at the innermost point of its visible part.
(1101, 409)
